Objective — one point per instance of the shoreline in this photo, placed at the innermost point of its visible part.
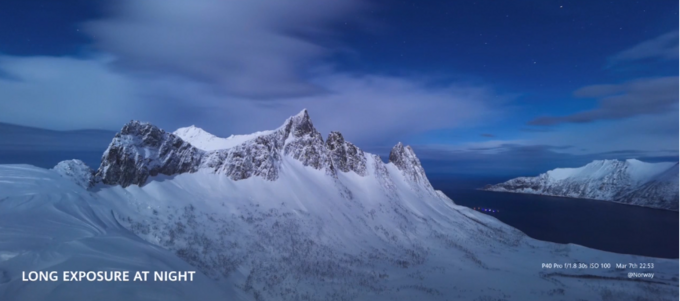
(569, 197)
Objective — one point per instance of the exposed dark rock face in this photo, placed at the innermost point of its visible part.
(141, 150)
(258, 157)
(405, 160)
(262, 156)
(346, 156)
(304, 143)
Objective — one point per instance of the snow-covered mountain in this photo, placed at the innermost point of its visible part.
(76, 171)
(209, 142)
(631, 182)
(284, 215)
(659, 192)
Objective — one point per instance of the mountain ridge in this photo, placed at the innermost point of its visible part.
(631, 182)
(142, 150)
(206, 141)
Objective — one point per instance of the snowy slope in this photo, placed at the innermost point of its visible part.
(313, 232)
(209, 142)
(631, 182)
(52, 223)
(660, 192)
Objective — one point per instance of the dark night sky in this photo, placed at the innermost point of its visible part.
(502, 87)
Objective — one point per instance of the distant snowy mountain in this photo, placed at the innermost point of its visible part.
(284, 215)
(631, 182)
(660, 192)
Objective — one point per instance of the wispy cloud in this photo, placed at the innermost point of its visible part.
(505, 160)
(662, 47)
(652, 134)
(370, 109)
(65, 93)
(618, 101)
(244, 48)
(71, 93)
(231, 67)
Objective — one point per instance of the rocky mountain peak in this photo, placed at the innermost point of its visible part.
(304, 143)
(401, 156)
(404, 158)
(141, 150)
(346, 156)
(147, 134)
(301, 125)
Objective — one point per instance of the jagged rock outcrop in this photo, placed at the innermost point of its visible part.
(346, 156)
(304, 143)
(258, 157)
(405, 160)
(631, 182)
(77, 171)
(261, 156)
(141, 150)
